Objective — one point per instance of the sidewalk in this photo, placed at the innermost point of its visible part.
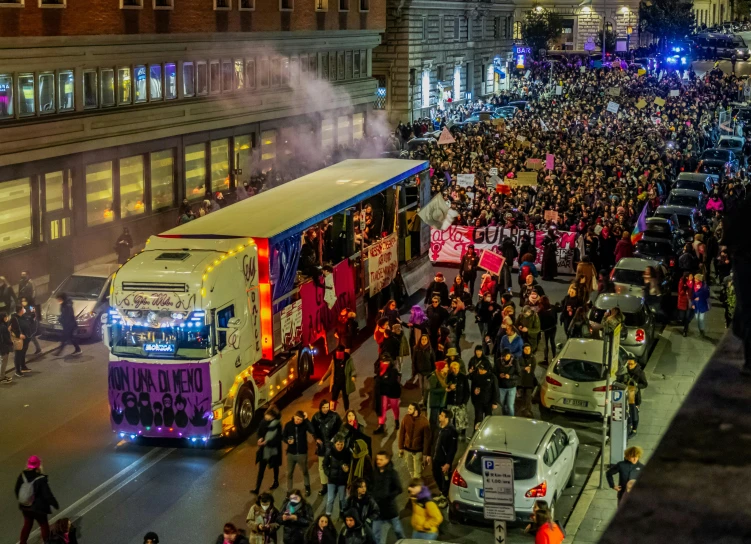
(671, 372)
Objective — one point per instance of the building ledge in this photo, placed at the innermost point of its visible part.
(694, 489)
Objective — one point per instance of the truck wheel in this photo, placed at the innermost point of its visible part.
(244, 412)
(304, 366)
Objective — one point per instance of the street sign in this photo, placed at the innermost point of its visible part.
(617, 405)
(498, 488)
(500, 532)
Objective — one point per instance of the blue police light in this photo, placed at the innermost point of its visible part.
(683, 60)
(672, 60)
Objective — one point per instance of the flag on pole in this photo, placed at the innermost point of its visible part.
(641, 225)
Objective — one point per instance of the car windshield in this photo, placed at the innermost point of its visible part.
(524, 468)
(578, 370)
(88, 287)
(630, 319)
(683, 220)
(658, 231)
(682, 200)
(693, 185)
(729, 144)
(632, 277)
(161, 343)
(714, 168)
(650, 247)
(716, 154)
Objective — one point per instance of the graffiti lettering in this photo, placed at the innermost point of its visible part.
(154, 301)
(249, 268)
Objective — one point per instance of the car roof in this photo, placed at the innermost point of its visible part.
(727, 137)
(635, 263)
(677, 210)
(627, 303)
(717, 154)
(692, 176)
(685, 192)
(654, 239)
(585, 349)
(97, 271)
(663, 221)
(510, 434)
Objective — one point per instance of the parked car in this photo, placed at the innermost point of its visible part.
(628, 275)
(658, 249)
(506, 112)
(638, 326)
(416, 143)
(688, 218)
(665, 229)
(519, 104)
(544, 456)
(686, 197)
(89, 291)
(694, 181)
(576, 379)
(719, 161)
(732, 143)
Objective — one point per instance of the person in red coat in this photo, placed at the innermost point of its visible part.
(624, 248)
(685, 292)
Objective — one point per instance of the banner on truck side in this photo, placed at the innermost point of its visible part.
(383, 263)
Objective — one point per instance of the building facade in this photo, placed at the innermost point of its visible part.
(712, 12)
(114, 111)
(436, 51)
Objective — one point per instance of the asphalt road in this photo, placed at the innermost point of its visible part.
(119, 490)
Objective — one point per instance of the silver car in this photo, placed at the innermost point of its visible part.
(89, 291)
(628, 275)
(544, 457)
(638, 332)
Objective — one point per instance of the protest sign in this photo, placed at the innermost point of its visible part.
(614, 91)
(528, 179)
(521, 138)
(558, 90)
(675, 92)
(549, 161)
(659, 101)
(435, 211)
(490, 261)
(383, 263)
(641, 104)
(493, 171)
(465, 180)
(551, 215)
(534, 164)
(613, 107)
(445, 137)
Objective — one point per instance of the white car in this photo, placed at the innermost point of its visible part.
(628, 275)
(576, 379)
(544, 456)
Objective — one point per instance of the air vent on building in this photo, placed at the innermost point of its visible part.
(153, 286)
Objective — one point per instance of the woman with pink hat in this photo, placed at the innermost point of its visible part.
(35, 499)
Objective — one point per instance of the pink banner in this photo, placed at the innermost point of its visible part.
(448, 246)
(317, 317)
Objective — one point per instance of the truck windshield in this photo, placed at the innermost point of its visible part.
(161, 343)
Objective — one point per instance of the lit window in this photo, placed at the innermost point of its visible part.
(54, 194)
(124, 85)
(65, 91)
(90, 95)
(250, 74)
(162, 180)
(202, 78)
(195, 171)
(268, 145)
(131, 186)
(99, 208)
(227, 76)
(170, 81)
(263, 73)
(276, 71)
(239, 74)
(358, 126)
(327, 134)
(108, 87)
(15, 221)
(140, 84)
(46, 93)
(6, 96)
(343, 130)
(517, 30)
(243, 154)
(155, 81)
(215, 72)
(26, 95)
(189, 79)
(322, 5)
(220, 165)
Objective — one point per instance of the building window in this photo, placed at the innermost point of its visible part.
(263, 73)
(131, 4)
(343, 5)
(363, 63)
(348, 65)
(52, 3)
(123, 86)
(55, 191)
(170, 81)
(11, 3)
(268, 145)
(243, 152)
(90, 95)
(131, 186)
(246, 5)
(46, 93)
(358, 126)
(216, 77)
(517, 30)
(457, 28)
(239, 74)
(313, 66)
(327, 134)
(26, 95)
(155, 81)
(222, 5)
(276, 71)
(344, 130)
(163, 4)
(140, 84)
(340, 65)
(227, 76)
(322, 5)
(425, 29)
(364, 5)
(285, 70)
(303, 67)
(286, 5)
(15, 221)
(99, 208)
(356, 65)
(162, 179)
(202, 78)
(220, 165)
(6, 96)
(325, 66)
(195, 171)
(189, 79)
(294, 71)
(250, 74)
(496, 28)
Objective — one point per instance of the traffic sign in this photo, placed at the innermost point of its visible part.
(498, 488)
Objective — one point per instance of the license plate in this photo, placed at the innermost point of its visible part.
(576, 402)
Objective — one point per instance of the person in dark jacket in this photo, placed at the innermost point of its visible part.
(363, 503)
(548, 325)
(231, 534)
(468, 269)
(26, 289)
(444, 451)
(635, 381)
(628, 469)
(391, 344)
(7, 296)
(326, 424)
(32, 317)
(346, 329)
(527, 380)
(355, 531)
(68, 321)
(19, 327)
(385, 490)
(457, 397)
(6, 347)
(269, 453)
(295, 516)
(336, 465)
(322, 531)
(484, 313)
(476, 359)
(484, 393)
(63, 532)
(437, 316)
(43, 501)
(438, 287)
(342, 376)
(507, 371)
(123, 246)
(387, 392)
(423, 363)
(295, 434)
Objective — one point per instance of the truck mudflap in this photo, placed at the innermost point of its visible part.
(169, 400)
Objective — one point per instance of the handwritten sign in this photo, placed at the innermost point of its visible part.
(641, 104)
(493, 172)
(675, 92)
(465, 180)
(549, 161)
(659, 101)
(534, 164)
(490, 261)
(551, 215)
(141, 300)
(558, 90)
(613, 107)
(383, 263)
(291, 324)
(614, 91)
(524, 179)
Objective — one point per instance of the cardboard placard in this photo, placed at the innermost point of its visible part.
(524, 179)
(613, 107)
(550, 161)
(659, 101)
(675, 92)
(558, 90)
(551, 215)
(534, 164)
(465, 180)
(445, 137)
(490, 261)
(614, 91)
(521, 138)
(641, 104)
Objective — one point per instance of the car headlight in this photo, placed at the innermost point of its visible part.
(85, 317)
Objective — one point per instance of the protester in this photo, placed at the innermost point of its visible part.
(32, 317)
(321, 531)
(6, 347)
(528, 324)
(485, 396)
(628, 469)
(354, 530)
(548, 531)
(336, 465)
(426, 516)
(230, 535)
(19, 333)
(123, 245)
(346, 329)
(385, 489)
(700, 302)
(343, 376)
(635, 381)
(527, 380)
(7, 296)
(387, 392)
(363, 503)
(295, 434)
(261, 520)
(437, 390)
(457, 396)
(414, 439)
(423, 365)
(446, 446)
(69, 324)
(35, 499)
(468, 267)
(326, 424)
(295, 516)
(269, 452)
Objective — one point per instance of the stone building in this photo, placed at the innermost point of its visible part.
(712, 12)
(434, 51)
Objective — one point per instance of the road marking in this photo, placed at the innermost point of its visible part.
(80, 507)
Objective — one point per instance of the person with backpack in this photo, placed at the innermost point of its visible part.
(355, 531)
(426, 516)
(35, 499)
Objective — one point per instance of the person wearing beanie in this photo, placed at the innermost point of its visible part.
(35, 499)
(477, 358)
(484, 392)
(438, 288)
